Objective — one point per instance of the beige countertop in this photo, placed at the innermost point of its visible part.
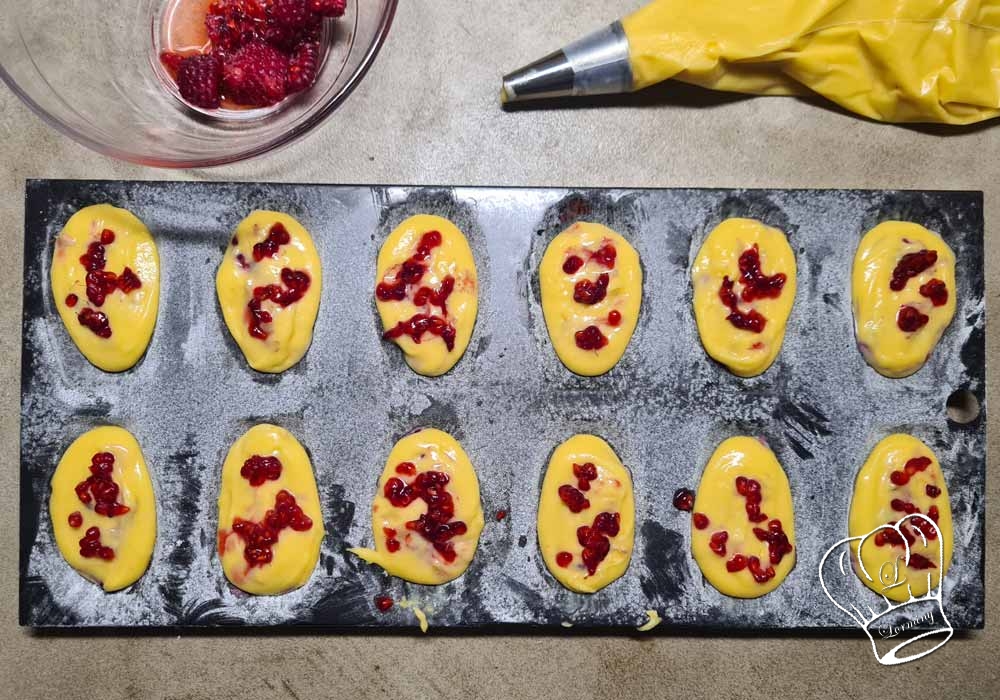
(428, 113)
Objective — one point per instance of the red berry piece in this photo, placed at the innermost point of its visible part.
(910, 319)
(406, 468)
(572, 264)
(684, 499)
(128, 281)
(916, 464)
(584, 473)
(75, 519)
(328, 8)
(590, 338)
(96, 321)
(717, 542)
(936, 291)
(759, 574)
(107, 237)
(277, 236)
(418, 324)
(199, 79)
(90, 546)
(605, 256)
(920, 562)
(899, 478)
(500, 515)
(260, 537)
(757, 285)
(411, 271)
(700, 520)
(391, 543)
(436, 525)
(293, 14)
(232, 23)
(427, 296)
(932, 491)
(752, 320)
(171, 61)
(741, 485)
(71, 300)
(737, 563)
(911, 265)
(564, 559)
(615, 318)
(255, 75)
(303, 65)
(259, 469)
(383, 603)
(595, 539)
(573, 498)
(590, 293)
(94, 258)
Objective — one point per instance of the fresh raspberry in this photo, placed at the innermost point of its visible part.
(233, 23)
(171, 61)
(302, 67)
(328, 8)
(293, 14)
(287, 38)
(255, 75)
(198, 80)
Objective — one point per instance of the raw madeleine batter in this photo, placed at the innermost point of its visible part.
(427, 292)
(586, 515)
(892, 60)
(426, 516)
(103, 508)
(743, 525)
(270, 522)
(106, 284)
(903, 292)
(269, 286)
(591, 286)
(901, 477)
(744, 286)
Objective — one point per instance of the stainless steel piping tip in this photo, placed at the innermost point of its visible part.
(597, 64)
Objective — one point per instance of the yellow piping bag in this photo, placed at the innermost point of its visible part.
(890, 60)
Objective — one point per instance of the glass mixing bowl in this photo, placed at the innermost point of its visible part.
(90, 68)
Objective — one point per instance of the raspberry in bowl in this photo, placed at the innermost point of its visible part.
(234, 55)
(188, 83)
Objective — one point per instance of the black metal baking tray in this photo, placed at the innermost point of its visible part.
(664, 408)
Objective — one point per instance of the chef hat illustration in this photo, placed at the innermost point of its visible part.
(840, 569)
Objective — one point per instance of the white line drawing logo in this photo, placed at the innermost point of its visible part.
(892, 574)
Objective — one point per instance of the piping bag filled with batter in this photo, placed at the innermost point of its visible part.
(889, 60)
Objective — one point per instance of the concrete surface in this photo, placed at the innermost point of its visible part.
(428, 113)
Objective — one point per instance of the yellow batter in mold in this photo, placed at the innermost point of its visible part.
(130, 316)
(415, 558)
(890, 350)
(289, 332)
(653, 621)
(872, 507)
(744, 352)
(450, 259)
(132, 535)
(610, 492)
(296, 552)
(726, 510)
(614, 316)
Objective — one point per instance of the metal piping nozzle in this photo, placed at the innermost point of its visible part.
(597, 64)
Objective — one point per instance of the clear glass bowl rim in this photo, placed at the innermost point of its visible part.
(298, 131)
